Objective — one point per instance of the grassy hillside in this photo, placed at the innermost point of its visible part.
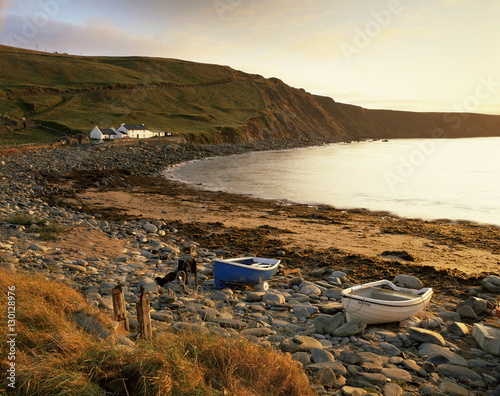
(212, 103)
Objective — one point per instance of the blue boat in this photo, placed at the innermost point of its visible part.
(243, 270)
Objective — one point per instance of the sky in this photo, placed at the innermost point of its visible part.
(426, 55)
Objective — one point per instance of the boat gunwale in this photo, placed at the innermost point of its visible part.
(233, 262)
(422, 296)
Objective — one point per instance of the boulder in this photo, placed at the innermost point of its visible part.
(355, 326)
(408, 281)
(426, 336)
(326, 324)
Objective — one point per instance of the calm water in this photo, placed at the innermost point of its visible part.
(424, 178)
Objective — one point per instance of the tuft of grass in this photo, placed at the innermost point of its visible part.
(56, 357)
(21, 219)
(50, 232)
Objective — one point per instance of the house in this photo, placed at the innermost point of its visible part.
(109, 133)
(138, 131)
(135, 131)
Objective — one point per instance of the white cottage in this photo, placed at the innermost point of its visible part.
(105, 133)
(136, 131)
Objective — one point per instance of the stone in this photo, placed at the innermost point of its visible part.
(408, 281)
(319, 355)
(325, 324)
(299, 344)
(259, 332)
(390, 349)
(326, 377)
(372, 378)
(391, 389)
(487, 337)
(349, 357)
(355, 326)
(373, 358)
(273, 299)
(37, 247)
(466, 311)
(491, 283)
(331, 308)
(458, 372)
(352, 391)
(433, 350)
(309, 290)
(148, 227)
(302, 357)
(459, 329)
(396, 374)
(449, 316)
(426, 336)
(453, 389)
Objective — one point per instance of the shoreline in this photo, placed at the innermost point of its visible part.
(122, 182)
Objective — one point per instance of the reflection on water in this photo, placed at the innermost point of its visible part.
(426, 178)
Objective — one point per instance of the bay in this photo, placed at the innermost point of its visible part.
(416, 178)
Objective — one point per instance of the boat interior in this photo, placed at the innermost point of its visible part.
(379, 293)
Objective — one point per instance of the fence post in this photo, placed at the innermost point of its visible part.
(119, 310)
(143, 316)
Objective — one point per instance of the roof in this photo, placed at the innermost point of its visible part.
(135, 127)
(108, 131)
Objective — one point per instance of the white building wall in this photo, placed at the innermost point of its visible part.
(96, 133)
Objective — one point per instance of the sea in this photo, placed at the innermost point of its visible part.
(456, 179)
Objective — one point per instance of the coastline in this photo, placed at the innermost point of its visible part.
(120, 182)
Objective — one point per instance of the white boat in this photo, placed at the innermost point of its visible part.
(383, 302)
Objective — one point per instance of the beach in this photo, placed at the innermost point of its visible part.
(447, 255)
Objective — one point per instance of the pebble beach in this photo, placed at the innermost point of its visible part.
(134, 236)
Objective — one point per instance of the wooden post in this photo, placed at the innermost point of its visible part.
(143, 316)
(119, 310)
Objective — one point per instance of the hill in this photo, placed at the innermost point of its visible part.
(212, 103)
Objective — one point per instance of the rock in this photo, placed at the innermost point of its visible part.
(433, 350)
(259, 332)
(408, 281)
(326, 377)
(459, 329)
(492, 283)
(349, 357)
(310, 290)
(373, 358)
(38, 248)
(390, 349)
(148, 227)
(466, 311)
(352, 391)
(453, 389)
(319, 355)
(450, 316)
(325, 324)
(396, 374)
(373, 378)
(426, 336)
(273, 299)
(331, 308)
(391, 389)
(303, 357)
(458, 372)
(299, 344)
(353, 327)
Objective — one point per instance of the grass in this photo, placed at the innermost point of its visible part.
(47, 230)
(56, 357)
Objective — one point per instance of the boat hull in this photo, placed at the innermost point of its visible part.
(376, 305)
(245, 270)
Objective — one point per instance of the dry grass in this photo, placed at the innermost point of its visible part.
(55, 357)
